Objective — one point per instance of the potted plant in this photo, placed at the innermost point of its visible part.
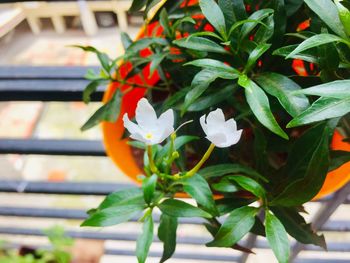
(279, 70)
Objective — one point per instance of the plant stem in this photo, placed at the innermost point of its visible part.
(201, 162)
(150, 158)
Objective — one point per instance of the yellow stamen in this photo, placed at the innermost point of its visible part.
(149, 136)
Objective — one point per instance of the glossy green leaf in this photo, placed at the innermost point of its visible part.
(224, 169)
(108, 112)
(126, 40)
(216, 66)
(292, 6)
(90, 88)
(177, 208)
(214, 98)
(258, 16)
(344, 16)
(129, 195)
(137, 5)
(260, 106)
(297, 227)
(255, 55)
(264, 33)
(240, 23)
(186, 19)
(282, 88)
(206, 34)
(146, 42)
(148, 187)
(198, 188)
(200, 44)
(114, 215)
(327, 11)
(227, 9)
(322, 109)
(335, 89)
(307, 55)
(155, 62)
(164, 22)
(228, 204)
(167, 234)
(315, 41)
(199, 85)
(277, 237)
(225, 186)
(338, 158)
(304, 189)
(214, 15)
(249, 184)
(236, 226)
(144, 241)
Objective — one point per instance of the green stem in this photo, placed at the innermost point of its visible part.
(150, 158)
(201, 162)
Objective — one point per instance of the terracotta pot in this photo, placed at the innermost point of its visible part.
(120, 152)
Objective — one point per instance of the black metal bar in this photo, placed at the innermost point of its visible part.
(46, 90)
(52, 147)
(45, 72)
(19, 186)
(323, 216)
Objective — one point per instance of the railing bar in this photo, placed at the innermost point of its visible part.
(52, 147)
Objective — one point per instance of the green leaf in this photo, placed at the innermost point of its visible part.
(224, 169)
(126, 40)
(214, 15)
(156, 59)
(241, 23)
(307, 55)
(296, 226)
(225, 186)
(235, 227)
(164, 22)
(328, 13)
(206, 34)
(322, 109)
(282, 88)
(200, 44)
(315, 41)
(277, 237)
(255, 55)
(216, 66)
(249, 184)
(90, 88)
(198, 188)
(130, 195)
(227, 9)
(149, 186)
(228, 204)
(108, 112)
(113, 215)
(239, 9)
(344, 16)
(335, 89)
(338, 158)
(137, 144)
(264, 33)
(305, 188)
(146, 42)
(213, 98)
(200, 83)
(167, 234)
(186, 19)
(137, 5)
(104, 60)
(260, 106)
(144, 241)
(177, 208)
(257, 16)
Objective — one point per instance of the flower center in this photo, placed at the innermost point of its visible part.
(149, 136)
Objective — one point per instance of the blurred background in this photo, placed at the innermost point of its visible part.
(39, 33)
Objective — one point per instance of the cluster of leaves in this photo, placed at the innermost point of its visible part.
(57, 254)
(238, 55)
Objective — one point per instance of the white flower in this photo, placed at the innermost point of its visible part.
(149, 129)
(220, 132)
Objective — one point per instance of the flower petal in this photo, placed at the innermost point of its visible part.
(130, 126)
(231, 125)
(233, 137)
(216, 118)
(166, 119)
(145, 115)
(203, 124)
(219, 139)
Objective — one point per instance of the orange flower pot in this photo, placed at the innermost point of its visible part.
(120, 152)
